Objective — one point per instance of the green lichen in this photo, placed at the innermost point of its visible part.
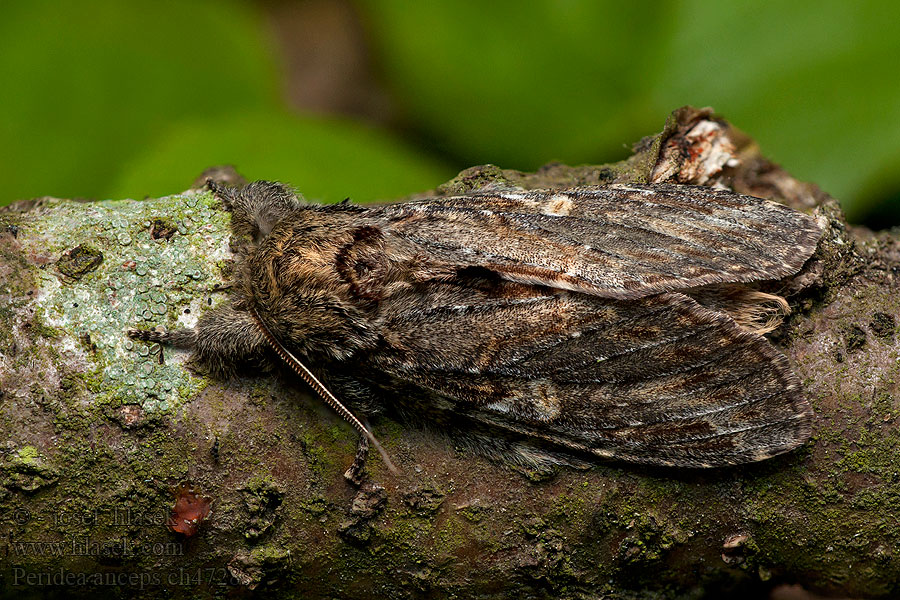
(77, 325)
(40, 327)
(315, 506)
(27, 455)
(475, 179)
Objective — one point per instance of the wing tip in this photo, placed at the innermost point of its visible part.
(785, 436)
(784, 427)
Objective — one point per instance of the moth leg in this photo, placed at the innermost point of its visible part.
(353, 474)
(256, 208)
(180, 338)
(223, 340)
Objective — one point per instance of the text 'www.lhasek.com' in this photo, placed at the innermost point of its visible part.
(86, 546)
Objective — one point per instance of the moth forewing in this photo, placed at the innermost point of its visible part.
(617, 241)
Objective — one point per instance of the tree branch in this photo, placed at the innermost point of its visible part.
(103, 432)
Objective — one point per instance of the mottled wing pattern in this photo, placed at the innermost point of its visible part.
(621, 241)
(658, 380)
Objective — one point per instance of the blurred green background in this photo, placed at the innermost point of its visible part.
(375, 99)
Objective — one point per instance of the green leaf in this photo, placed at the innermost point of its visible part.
(325, 159)
(88, 84)
(520, 83)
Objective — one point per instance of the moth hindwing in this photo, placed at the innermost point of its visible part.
(542, 327)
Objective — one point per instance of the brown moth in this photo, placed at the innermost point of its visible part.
(540, 327)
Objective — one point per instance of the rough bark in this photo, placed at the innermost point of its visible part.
(101, 437)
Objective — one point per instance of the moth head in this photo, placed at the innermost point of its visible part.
(256, 209)
(293, 283)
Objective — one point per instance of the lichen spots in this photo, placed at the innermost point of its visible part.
(559, 206)
(100, 287)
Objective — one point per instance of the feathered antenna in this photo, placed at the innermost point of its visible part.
(300, 369)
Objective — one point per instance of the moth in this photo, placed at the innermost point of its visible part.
(538, 327)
